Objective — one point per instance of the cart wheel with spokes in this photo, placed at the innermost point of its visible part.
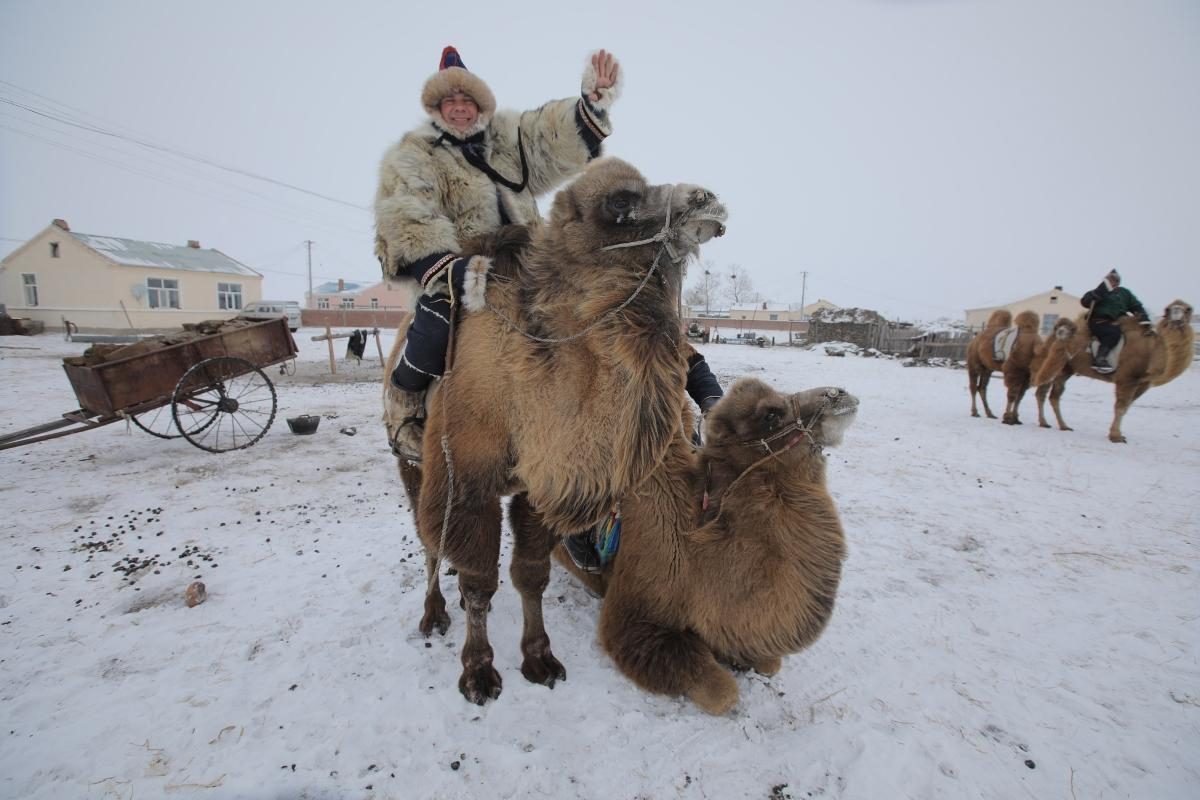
(158, 422)
(223, 403)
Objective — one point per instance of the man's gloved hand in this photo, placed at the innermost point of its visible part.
(1147, 328)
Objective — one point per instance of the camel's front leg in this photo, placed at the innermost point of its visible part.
(1056, 392)
(530, 575)
(472, 545)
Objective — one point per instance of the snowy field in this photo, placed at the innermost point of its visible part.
(1018, 616)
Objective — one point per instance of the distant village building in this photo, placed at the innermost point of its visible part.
(1049, 306)
(108, 283)
(350, 294)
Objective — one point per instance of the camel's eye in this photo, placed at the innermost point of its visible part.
(772, 418)
(621, 203)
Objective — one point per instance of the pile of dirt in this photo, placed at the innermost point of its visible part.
(103, 353)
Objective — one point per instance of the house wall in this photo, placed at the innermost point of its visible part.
(1049, 306)
(88, 289)
(391, 295)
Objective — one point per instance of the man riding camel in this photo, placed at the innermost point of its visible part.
(1108, 302)
(466, 171)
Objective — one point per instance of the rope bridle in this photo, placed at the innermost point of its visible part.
(795, 433)
(666, 237)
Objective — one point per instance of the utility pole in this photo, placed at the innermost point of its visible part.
(803, 286)
(309, 299)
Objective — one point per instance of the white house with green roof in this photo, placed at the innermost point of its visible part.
(109, 284)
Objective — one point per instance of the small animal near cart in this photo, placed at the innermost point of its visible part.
(210, 390)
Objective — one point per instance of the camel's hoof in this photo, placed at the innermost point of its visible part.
(435, 617)
(990, 415)
(1043, 424)
(1117, 439)
(480, 684)
(543, 668)
(434, 621)
(1066, 428)
(974, 413)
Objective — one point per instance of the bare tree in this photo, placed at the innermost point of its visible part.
(703, 290)
(739, 287)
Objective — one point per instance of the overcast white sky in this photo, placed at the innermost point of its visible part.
(918, 157)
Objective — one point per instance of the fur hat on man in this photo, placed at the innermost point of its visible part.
(452, 76)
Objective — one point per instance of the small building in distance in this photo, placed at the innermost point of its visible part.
(112, 284)
(1048, 305)
(344, 294)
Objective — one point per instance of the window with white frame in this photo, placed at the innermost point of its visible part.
(347, 302)
(162, 292)
(30, 283)
(374, 302)
(229, 296)
(1048, 321)
(322, 302)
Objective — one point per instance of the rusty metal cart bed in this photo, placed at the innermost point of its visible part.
(210, 390)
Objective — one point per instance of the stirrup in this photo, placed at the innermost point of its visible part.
(398, 449)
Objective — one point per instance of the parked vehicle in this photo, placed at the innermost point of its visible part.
(270, 309)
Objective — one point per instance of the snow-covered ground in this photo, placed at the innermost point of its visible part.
(1018, 616)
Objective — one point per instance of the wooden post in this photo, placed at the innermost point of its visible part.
(378, 346)
(329, 341)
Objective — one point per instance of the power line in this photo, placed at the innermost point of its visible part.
(173, 181)
(173, 151)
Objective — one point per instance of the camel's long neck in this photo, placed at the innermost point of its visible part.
(1179, 351)
(631, 327)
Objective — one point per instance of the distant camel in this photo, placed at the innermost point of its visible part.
(982, 362)
(1148, 357)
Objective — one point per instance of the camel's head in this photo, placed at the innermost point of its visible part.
(1064, 329)
(1178, 315)
(754, 419)
(612, 204)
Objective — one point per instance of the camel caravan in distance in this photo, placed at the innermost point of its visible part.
(565, 390)
(1145, 358)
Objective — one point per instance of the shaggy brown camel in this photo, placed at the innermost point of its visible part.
(981, 361)
(566, 393)
(744, 577)
(1149, 357)
(1063, 330)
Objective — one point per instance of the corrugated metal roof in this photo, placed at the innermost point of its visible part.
(158, 255)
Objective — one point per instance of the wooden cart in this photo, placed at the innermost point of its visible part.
(210, 390)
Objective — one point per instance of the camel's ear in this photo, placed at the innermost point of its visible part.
(565, 208)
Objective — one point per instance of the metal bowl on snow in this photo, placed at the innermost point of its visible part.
(304, 424)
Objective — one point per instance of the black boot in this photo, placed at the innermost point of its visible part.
(581, 547)
(1100, 359)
